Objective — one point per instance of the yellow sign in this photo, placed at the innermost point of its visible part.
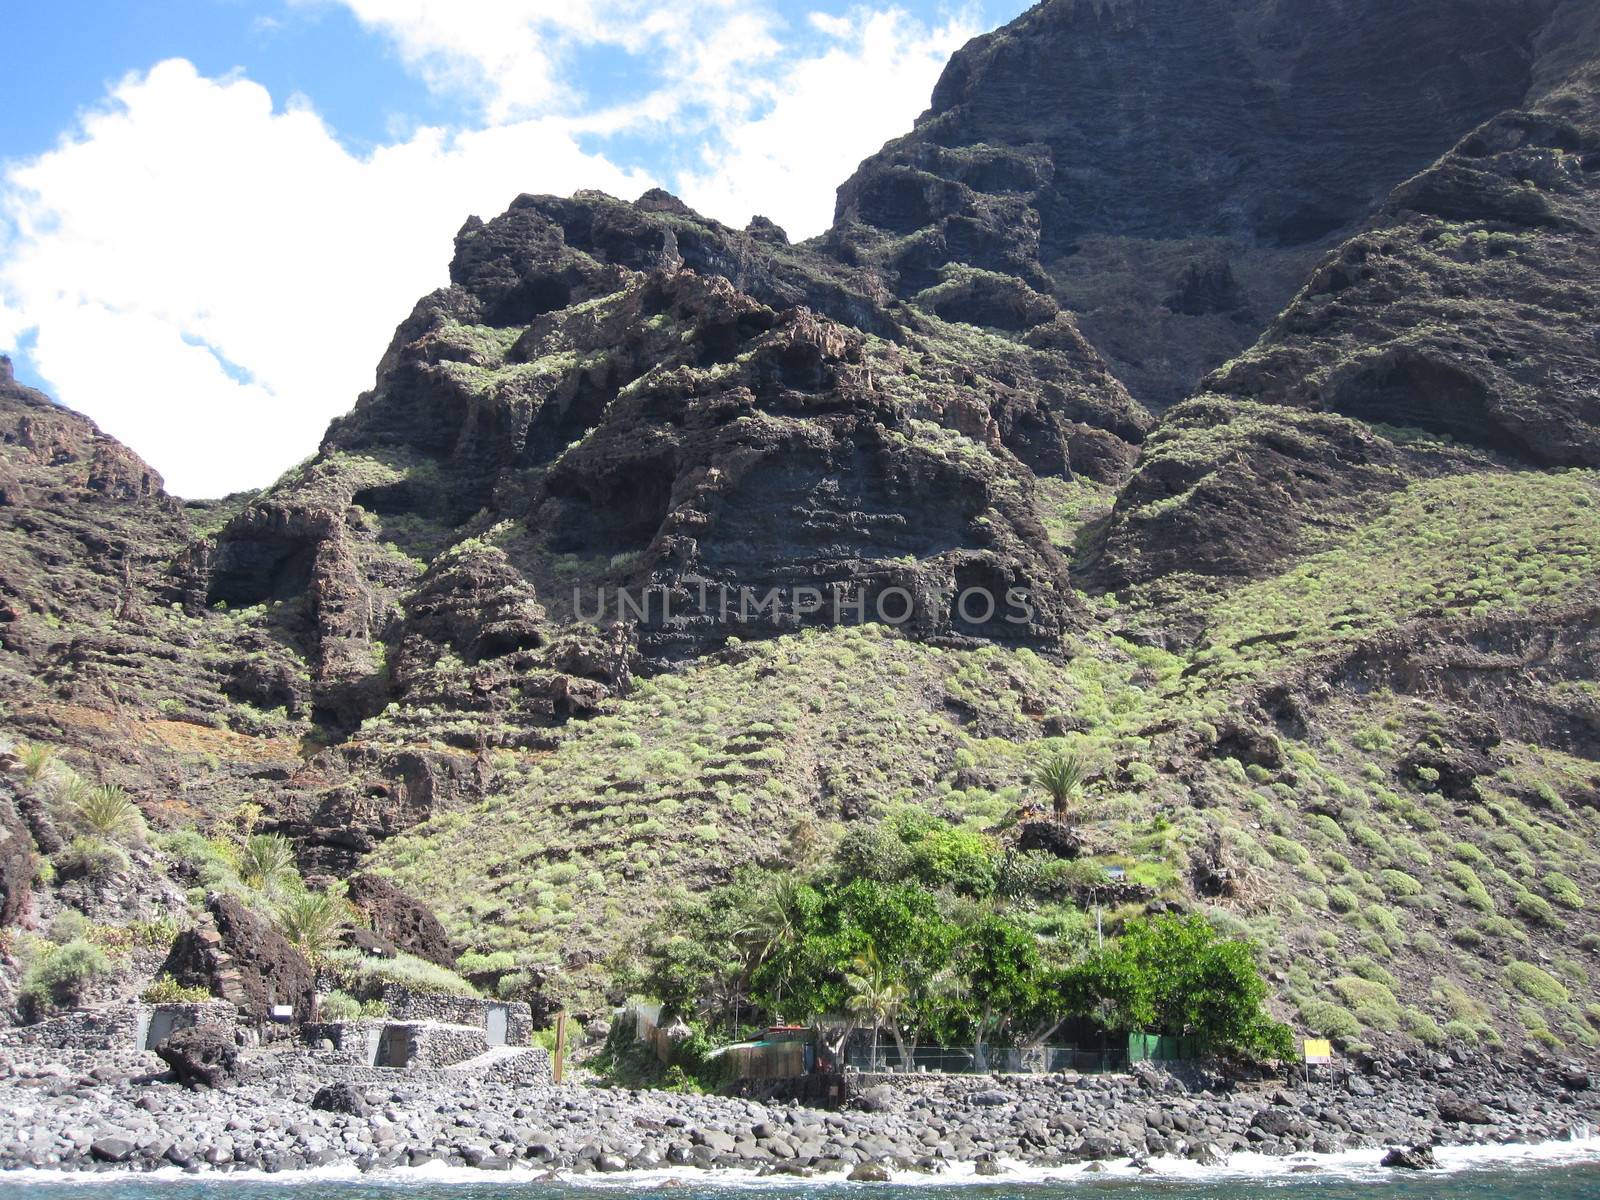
(1319, 1050)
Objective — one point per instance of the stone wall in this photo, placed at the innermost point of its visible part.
(354, 1043)
(121, 1027)
(530, 1068)
(408, 1005)
(159, 1021)
(112, 1027)
(444, 1045)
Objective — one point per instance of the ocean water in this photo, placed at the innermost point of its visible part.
(1564, 1171)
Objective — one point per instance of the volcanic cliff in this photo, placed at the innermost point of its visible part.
(1253, 344)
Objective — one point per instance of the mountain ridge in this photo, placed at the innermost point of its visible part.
(1283, 723)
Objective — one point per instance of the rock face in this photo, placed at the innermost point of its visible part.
(1452, 331)
(1347, 250)
(628, 396)
(400, 919)
(243, 960)
(1171, 169)
(1465, 308)
(17, 862)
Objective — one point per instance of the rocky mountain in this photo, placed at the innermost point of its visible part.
(1250, 347)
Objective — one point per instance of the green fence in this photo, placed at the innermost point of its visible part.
(1150, 1047)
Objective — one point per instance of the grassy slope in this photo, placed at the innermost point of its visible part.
(1386, 909)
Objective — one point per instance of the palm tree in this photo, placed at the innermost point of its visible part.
(876, 997)
(266, 863)
(1062, 777)
(312, 921)
(37, 759)
(773, 930)
(106, 810)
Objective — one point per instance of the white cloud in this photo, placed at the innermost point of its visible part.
(827, 112)
(212, 279)
(513, 56)
(188, 222)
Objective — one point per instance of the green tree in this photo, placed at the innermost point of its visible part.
(1179, 976)
(1062, 777)
(700, 953)
(837, 924)
(963, 860)
(1006, 984)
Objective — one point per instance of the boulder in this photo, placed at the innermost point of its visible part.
(1276, 1122)
(340, 1098)
(875, 1099)
(16, 864)
(243, 959)
(1574, 1079)
(869, 1172)
(112, 1150)
(1414, 1158)
(399, 919)
(1051, 837)
(201, 1056)
(1453, 1110)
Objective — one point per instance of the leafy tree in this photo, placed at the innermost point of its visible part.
(773, 932)
(700, 953)
(838, 924)
(1062, 777)
(872, 852)
(1007, 982)
(942, 856)
(1179, 976)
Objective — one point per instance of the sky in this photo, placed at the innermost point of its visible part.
(214, 213)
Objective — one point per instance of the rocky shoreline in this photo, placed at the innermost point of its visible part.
(83, 1113)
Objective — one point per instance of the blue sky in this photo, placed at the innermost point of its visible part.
(213, 213)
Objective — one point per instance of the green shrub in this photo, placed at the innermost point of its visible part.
(266, 864)
(164, 989)
(1563, 891)
(1286, 851)
(1467, 880)
(366, 977)
(1342, 900)
(1374, 1004)
(90, 858)
(59, 975)
(339, 1006)
(1398, 884)
(69, 925)
(1422, 1027)
(312, 921)
(37, 759)
(107, 812)
(211, 861)
(1375, 972)
(1329, 1020)
(1536, 909)
(1536, 984)
(474, 963)
(1460, 1031)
